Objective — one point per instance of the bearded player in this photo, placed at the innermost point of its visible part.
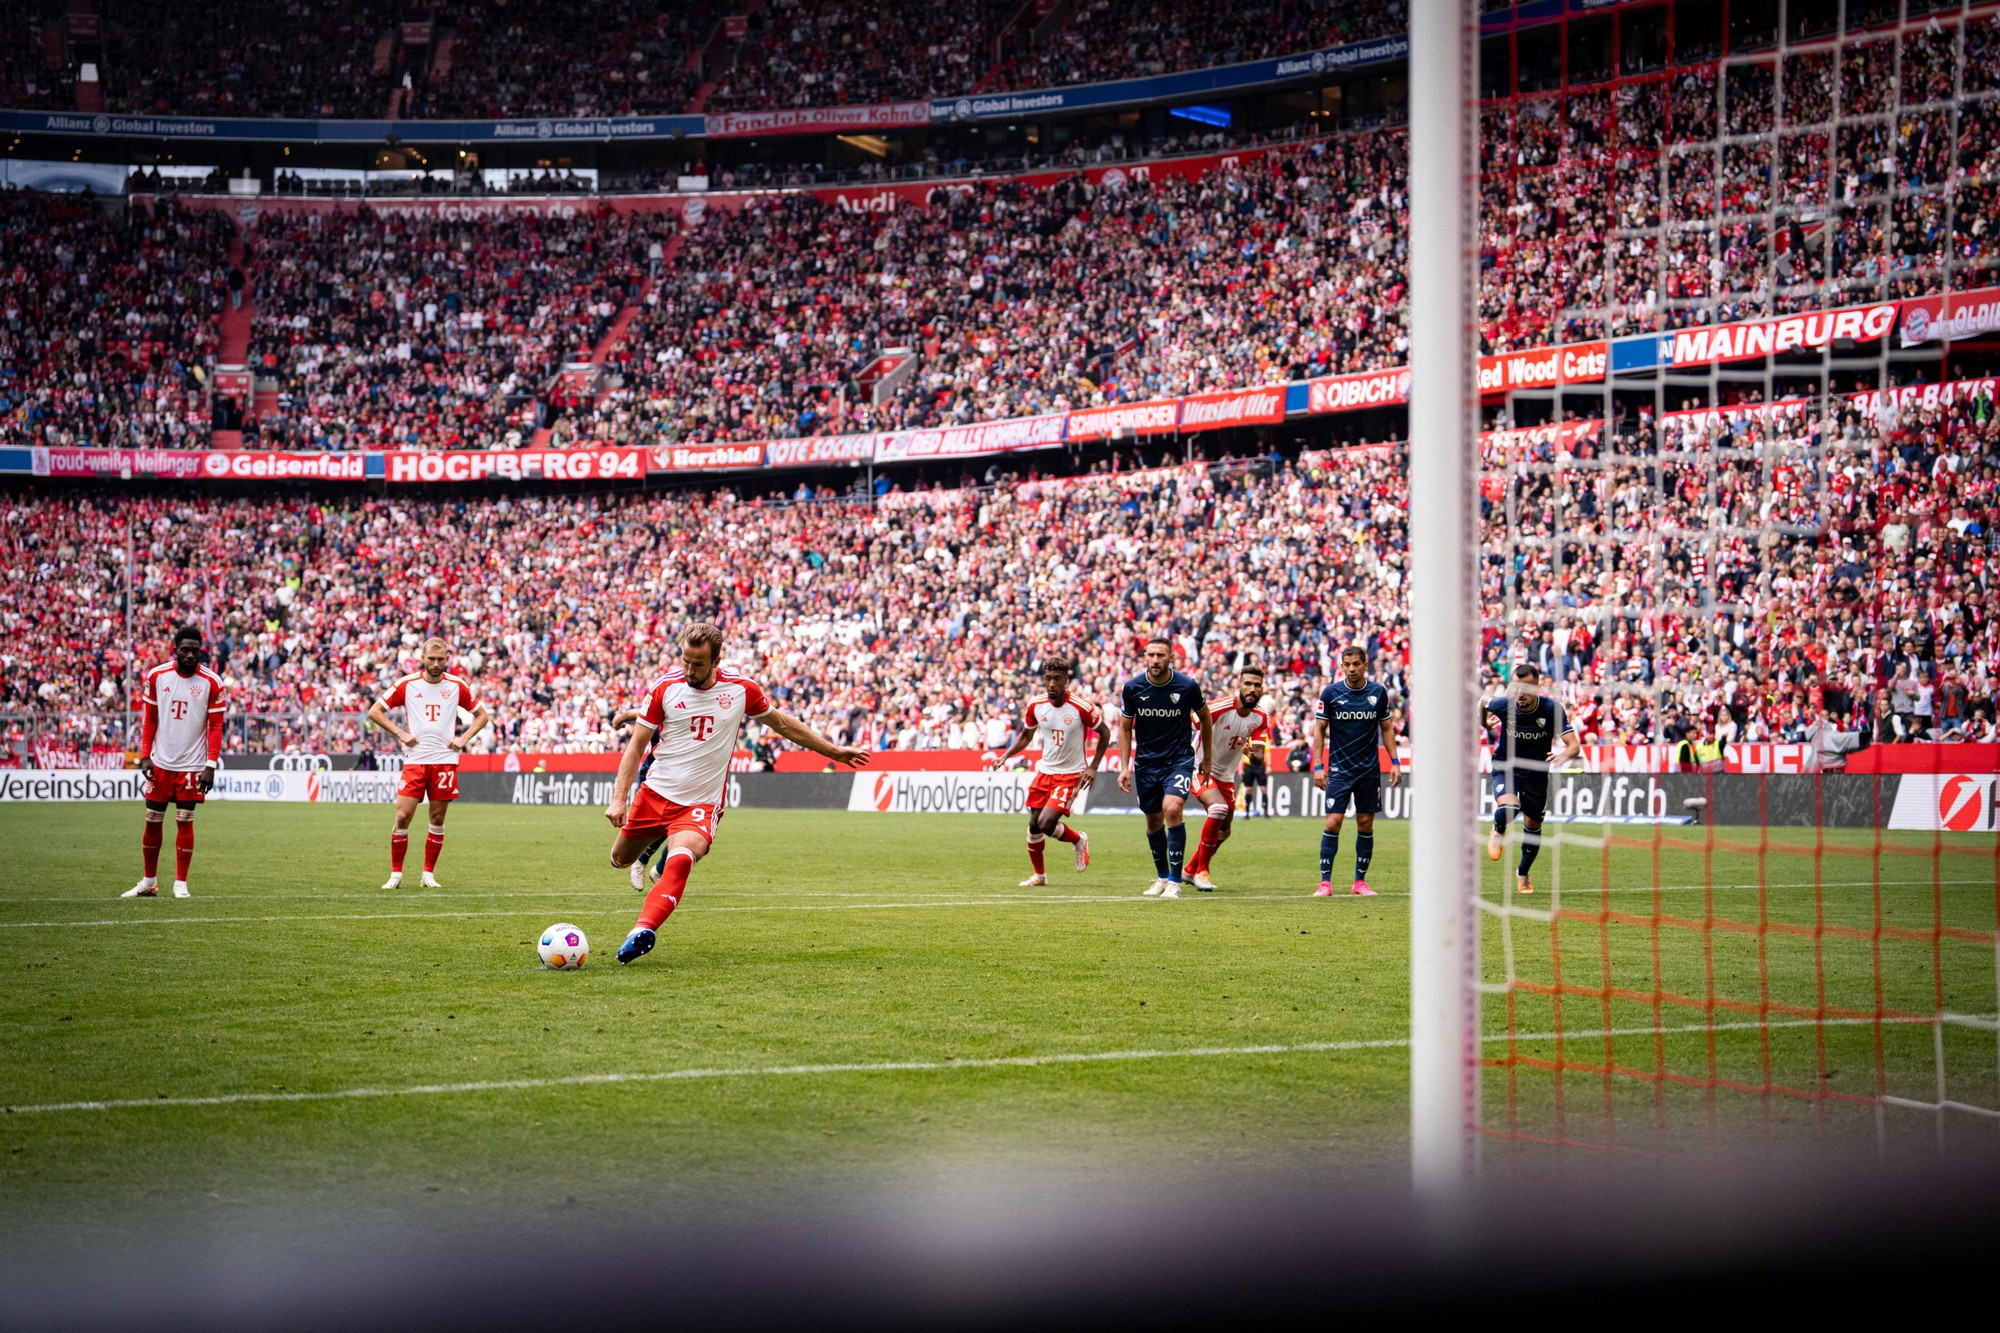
(1238, 723)
(180, 745)
(684, 736)
(431, 741)
(1352, 727)
(1158, 713)
(1527, 726)
(1059, 722)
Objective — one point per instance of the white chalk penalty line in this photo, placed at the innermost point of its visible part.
(888, 1067)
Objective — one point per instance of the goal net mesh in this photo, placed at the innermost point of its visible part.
(1748, 928)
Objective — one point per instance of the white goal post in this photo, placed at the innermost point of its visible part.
(1444, 613)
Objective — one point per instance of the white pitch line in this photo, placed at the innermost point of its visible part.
(886, 1067)
(1105, 899)
(990, 900)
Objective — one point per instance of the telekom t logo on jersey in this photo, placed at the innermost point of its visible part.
(180, 709)
(701, 728)
(431, 712)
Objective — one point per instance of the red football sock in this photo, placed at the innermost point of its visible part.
(1204, 852)
(150, 838)
(399, 842)
(1035, 855)
(183, 848)
(433, 844)
(1064, 833)
(667, 890)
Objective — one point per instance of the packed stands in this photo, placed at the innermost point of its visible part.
(859, 52)
(529, 58)
(1026, 299)
(35, 75)
(547, 58)
(107, 320)
(423, 332)
(1771, 562)
(305, 59)
(1280, 267)
(1118, 39)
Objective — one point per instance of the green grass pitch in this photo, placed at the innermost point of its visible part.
(844, 1001)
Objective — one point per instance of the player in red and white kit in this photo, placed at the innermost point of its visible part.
(430, 702)
(1238, 722)
(684, 737)
(1059, 722)
(179, 747)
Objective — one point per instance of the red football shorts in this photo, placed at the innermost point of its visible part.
(433, 782)
(174, 788)
(654, 815)
(1054, 791)
(1210, 791)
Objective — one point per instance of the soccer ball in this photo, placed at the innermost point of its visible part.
(563, 947)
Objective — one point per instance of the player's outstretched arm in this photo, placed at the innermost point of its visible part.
(1097, 760)
(1020, 745)
(480, 719)
(1125, 752)
(378, 713)
(798, 733)
(628, 772)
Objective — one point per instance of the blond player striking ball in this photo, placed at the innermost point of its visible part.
(684, 736)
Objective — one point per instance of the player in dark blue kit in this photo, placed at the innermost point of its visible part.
(1160, 709)
(1351, 728)
(1527, 726)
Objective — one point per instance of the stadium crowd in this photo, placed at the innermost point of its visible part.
(302, 59)
(1119, 39)
(424, 332)
(1758, 567)
(1022, 299)
(107, 321)
(528, 58)
(518, 58)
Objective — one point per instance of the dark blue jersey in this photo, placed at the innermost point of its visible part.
(1524, 734)
(1353, 721)
(1162, 719)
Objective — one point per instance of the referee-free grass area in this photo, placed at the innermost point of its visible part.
(844, 1002)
